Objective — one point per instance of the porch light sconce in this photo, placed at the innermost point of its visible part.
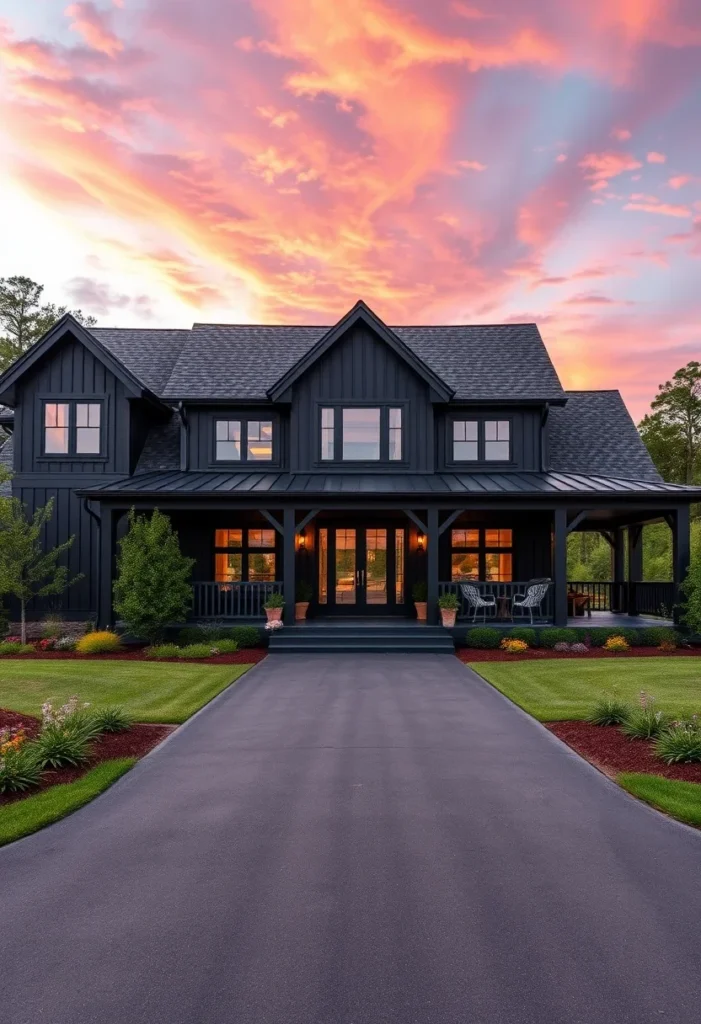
(301, 541)
(421, 541)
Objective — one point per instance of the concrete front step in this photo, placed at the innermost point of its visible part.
(350, 636)
(343, 647)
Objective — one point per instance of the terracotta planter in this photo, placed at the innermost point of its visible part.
(421, 610)
(301, 608)
(448, 617)
(273, 614)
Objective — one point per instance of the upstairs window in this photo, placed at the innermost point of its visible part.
(72, 428)
(243, 440)
(395, 435)
(497, 440)
(328, 435)
(465, 440)
(361, 434)
(481, 441)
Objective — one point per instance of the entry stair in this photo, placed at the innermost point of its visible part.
(348, 637)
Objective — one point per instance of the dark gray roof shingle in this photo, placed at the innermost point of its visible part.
(161, 449)
(6, 459)
(594, 433)
(478, 362)
(149, 354)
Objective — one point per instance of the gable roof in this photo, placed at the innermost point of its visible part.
(360, 313)
(149, 354)
(594, 433)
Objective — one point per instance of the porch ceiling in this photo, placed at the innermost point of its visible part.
(201, 484)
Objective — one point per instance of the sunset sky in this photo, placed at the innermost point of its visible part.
(165, 161)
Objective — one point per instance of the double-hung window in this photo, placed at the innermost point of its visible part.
(243, 440)
(482, 554)
(481, 441)
(72, 428)
(361, 434)
(244, 556)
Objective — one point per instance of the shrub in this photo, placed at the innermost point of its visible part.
(609, 710)
(667, 647)
(112, 719)
(9, 648)
(101, 642)
(245, 636)
(52, 627)
(524, 633)
(190, 635)
(483, 637)
(616, 643)
(680, 742)
(153, 578)
(599, 635)
(65, 643)
(579, 648)
(274, 600)
(513, 646)
(226, 646)
(644, 722)
(58, 747)
(195, 651)
(419, 591)
(553, 635)
(691, 591)
(655, 636)
(449, 601)
(163, 651)
(20, 769)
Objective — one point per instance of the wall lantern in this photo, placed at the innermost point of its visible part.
(301, 541)
(421, 541)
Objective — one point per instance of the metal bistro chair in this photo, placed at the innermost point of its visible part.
(533, 598)
(476, 601)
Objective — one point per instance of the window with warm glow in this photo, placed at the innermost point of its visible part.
(260, 440)
(56, 428)
(246, 563)
(482, 554)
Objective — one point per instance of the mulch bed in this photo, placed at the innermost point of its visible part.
(135, 742)
(540, 654)
(611, 752)
(248, 656)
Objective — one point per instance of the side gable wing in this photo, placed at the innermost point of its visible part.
(362, 313)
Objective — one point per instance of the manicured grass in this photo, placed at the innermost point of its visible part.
(167, 693)
(559, 690)
(34, 812)
(680, 799)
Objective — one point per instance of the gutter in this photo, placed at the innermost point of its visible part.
(543, 437)
(184, 437)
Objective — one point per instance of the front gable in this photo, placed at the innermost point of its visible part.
(361, 323)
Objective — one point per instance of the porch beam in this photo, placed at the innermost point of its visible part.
(560, 565)
(272, 520)
(577, 520)
(415, 519)
(681, 553)
(635, 565)
(307, 519)
(450, 520)
(608, 537)
(618, 596)
(104, 598)
(432, 565)
(669, 519)
(288, 566)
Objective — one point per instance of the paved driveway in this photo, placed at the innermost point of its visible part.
(362, 840)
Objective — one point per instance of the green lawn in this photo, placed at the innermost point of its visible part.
(167, 693)
(34, 812)
(562, 689)
(680, 799)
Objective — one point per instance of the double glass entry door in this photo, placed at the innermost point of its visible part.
(361, 570)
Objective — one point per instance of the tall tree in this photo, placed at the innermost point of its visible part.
(672, 432)
(24, 319)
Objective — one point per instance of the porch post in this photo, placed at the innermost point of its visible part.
(560, 565)
(681, 552)
(618, 602)
(288, 566)
(635, 565)
(432, 566)
(104, 589)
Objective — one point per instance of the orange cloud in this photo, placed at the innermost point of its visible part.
(600, 167)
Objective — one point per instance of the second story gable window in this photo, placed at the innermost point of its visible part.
(481, 441)
(361, 434)
(328, 435)
(56, 416)
(87, 428)
(395, 435)
(243, 440)
(465, 440)
(72, 428)
(497, 441)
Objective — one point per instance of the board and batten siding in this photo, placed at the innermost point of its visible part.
(525, 437)
(361, 369)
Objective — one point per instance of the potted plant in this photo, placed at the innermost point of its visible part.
(448, 604)
(273, 607)
(420, 592)
(304, 596)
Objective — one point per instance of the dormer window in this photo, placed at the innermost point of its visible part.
(243, 440)
(72, 428)
(361, 434)
(481, 440)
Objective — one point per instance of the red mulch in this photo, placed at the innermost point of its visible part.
(135, 742)
(472, 654)
(611, 752)
(248, 656)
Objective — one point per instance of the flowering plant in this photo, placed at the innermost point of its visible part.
(65, 643)
(11, 740)
(13, 639)
(667, 645)
(513, 646)
(274, 624)
(59, 716)
(48, 644)
(616, 643)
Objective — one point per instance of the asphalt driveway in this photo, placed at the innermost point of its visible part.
(355, 840)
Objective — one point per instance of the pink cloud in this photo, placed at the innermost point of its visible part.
(560, 158)
(656, 158)
(649, 204)
(621, 134)
(680, 180)
(600, 167)
(471, 165)
(93, 26)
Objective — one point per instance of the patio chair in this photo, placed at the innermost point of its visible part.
(533, 598)
(477, 601)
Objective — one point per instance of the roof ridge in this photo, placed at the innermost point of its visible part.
(392, 327)
(593, 391)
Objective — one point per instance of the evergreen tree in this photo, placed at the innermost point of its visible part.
(153, 585)
(23, 318)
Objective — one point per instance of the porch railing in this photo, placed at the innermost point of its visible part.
(640, 598)
(503, 608)
(652, 599)
(231, 600)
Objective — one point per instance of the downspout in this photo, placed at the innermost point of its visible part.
(543, 437)
(184, 437)
(98, 574)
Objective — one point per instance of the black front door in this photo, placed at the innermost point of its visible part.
(361, 570)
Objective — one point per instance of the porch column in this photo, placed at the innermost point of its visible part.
(288, 566)
(560, 565)
(105, 616)
(432, 566)
(635, 565)
(681, 552)
(618, 602)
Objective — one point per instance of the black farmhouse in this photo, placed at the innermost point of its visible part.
(359, 458)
